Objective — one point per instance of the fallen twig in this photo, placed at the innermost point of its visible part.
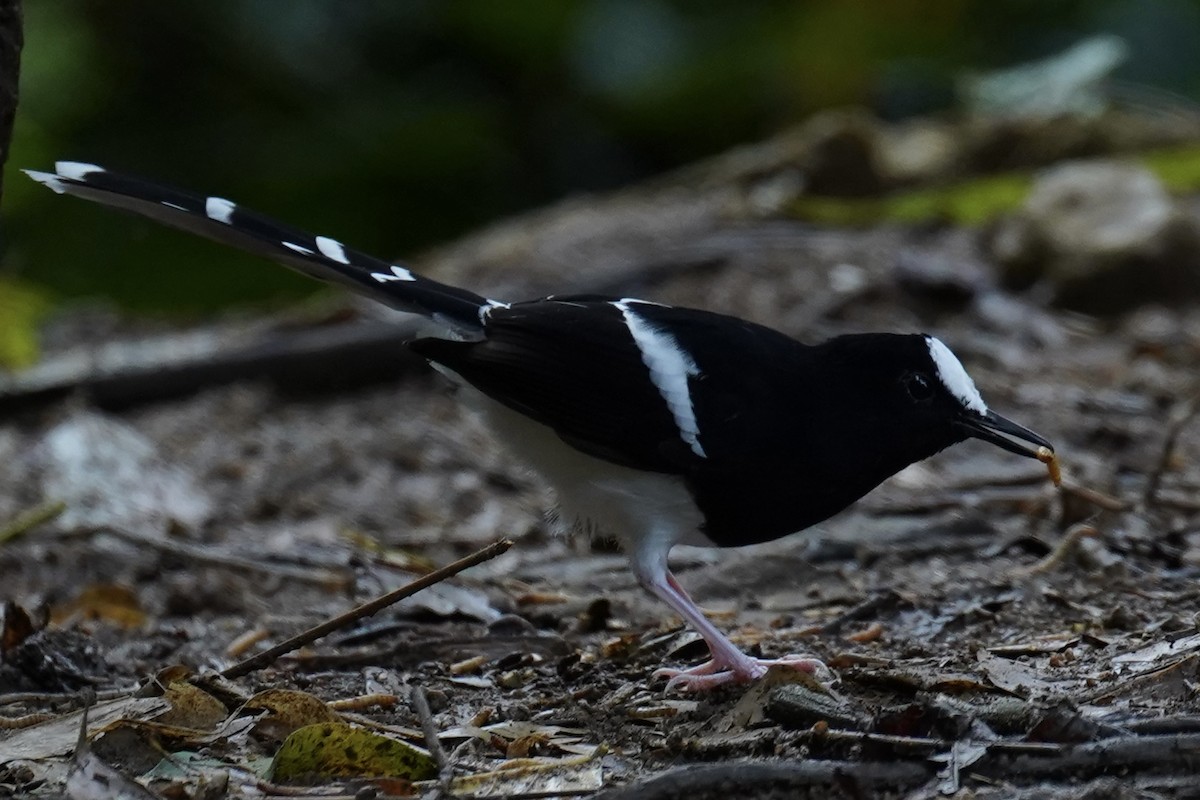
(1119, 754)
(24, 721)
(245, 641)
(432, 743)
(900, 746)
(1093, 496)
(1180, 723)
(546, 795)
(70, 698)
(267, 656)
(121, 373)
(28, 520)
(1061, 551)
(410, 651)
(207, 555)
(1175, 502)
(364, 701)
(1179, 419)
(745, 779)
(865, 610)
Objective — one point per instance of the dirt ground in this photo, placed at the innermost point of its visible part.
(979, 651)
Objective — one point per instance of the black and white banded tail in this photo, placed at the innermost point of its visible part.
(320, 257)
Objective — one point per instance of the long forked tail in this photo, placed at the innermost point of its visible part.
(318, 256)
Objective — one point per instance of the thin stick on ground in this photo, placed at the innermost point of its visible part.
(1061, 552)
(1095, 497)
(1179, 420)
(256, 662)
(432, 743)
(208, 555)
(60, 698)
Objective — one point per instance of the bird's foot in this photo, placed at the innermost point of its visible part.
(712, 673)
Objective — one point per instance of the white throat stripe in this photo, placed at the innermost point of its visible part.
(670, 367)
(952, 375)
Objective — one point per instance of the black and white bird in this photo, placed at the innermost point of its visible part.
(655, 424)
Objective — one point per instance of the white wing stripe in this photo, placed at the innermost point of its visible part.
(670, 367)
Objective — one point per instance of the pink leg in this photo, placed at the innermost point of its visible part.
(728, 664)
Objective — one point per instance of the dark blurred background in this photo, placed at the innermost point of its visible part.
(397, 124)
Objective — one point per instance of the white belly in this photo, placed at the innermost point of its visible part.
(642, 509)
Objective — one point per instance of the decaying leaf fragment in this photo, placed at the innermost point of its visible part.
(287, 711)
(536, 777)
(506, 735)
(338, 750)
(91, 778)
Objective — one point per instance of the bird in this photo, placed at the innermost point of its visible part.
(653, 424)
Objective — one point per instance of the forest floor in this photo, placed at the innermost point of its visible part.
(979, 651)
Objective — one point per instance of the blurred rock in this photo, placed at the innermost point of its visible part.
(920, 150)
(1103, 236)
(1160, 334)
(943, 281)
(110, 475)
(990, 144)
(841, 158)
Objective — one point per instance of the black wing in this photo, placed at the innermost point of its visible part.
(574, 365)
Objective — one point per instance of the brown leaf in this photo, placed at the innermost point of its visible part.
(288, 710)
(109, 602)
(192, 707)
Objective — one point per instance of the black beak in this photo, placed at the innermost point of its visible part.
(991, 427)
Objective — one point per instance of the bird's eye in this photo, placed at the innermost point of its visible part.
(919, 387)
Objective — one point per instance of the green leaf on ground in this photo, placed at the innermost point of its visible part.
(337, 750)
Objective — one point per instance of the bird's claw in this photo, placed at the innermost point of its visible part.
(712, 674)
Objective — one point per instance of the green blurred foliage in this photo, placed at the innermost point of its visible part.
(21, 309)
(396, 124)
(979, 199)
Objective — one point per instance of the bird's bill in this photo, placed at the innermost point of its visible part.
(1002, 432)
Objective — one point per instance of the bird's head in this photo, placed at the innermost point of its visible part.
(917, 394)
(968, 411)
